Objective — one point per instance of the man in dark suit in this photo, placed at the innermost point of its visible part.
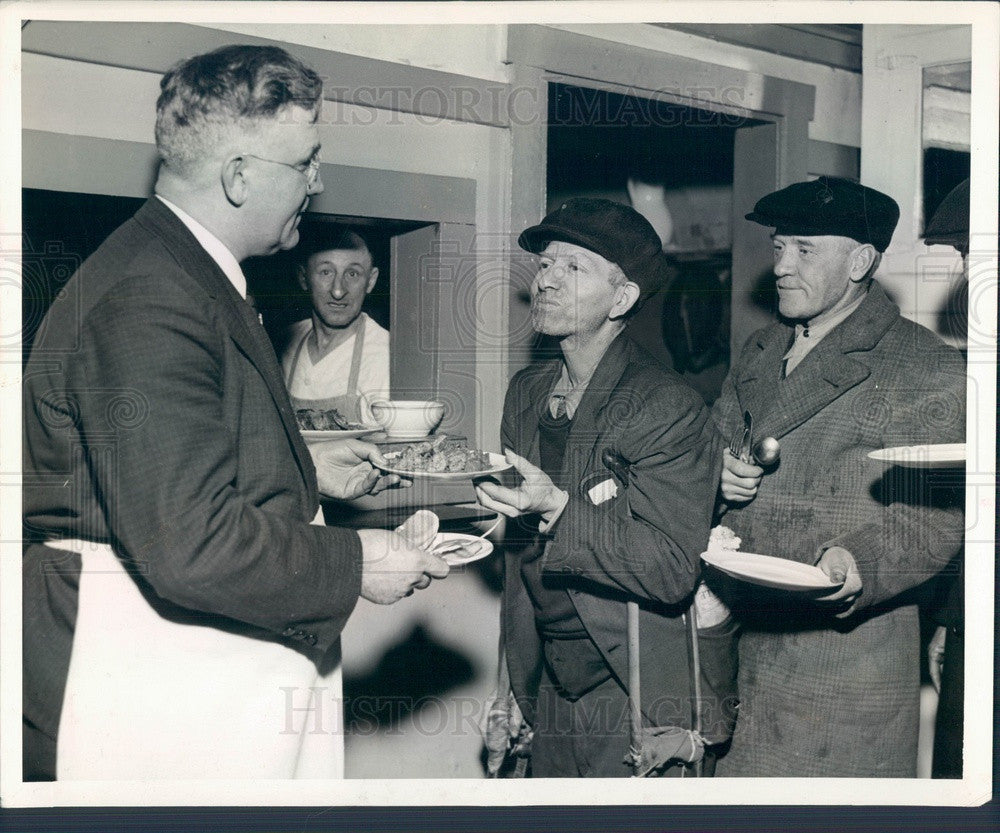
(829, 684)
(178, 602)
(616, 456)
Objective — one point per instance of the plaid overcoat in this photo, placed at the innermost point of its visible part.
(822, 696)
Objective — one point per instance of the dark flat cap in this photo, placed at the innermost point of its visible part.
(616, 232)
(950, 223)
(830, 205)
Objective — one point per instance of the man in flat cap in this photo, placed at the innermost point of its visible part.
(617, 461)
(829, 680)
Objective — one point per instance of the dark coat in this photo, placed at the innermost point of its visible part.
(821, 695)
(642, 545)
(155, 419)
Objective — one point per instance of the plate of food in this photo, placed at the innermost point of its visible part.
(768, 571)
(443, 459)
(933, 456)
(458, 549)
(317, 425)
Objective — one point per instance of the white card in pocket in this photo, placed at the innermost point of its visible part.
(603, 491)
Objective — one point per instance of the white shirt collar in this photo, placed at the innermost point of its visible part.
(216, 248)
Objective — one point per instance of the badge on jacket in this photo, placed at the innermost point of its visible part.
(603, 491)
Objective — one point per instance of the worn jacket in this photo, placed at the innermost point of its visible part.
(821, 695)
(641, 545)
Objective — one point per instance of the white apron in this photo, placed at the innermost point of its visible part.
(348, 403)
(147, 698)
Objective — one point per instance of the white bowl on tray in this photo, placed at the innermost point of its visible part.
(407, 419)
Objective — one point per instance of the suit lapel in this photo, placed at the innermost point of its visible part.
(828, 371)
(591, 420)
(536, 398)
(238, 318)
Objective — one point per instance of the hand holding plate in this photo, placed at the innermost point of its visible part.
(840, 566)
(348, 469)
(536, 493)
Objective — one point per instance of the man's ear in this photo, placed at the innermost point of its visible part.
(300, 274)
(372, 278)
(628, 295)
(861, 261)
(234, 181)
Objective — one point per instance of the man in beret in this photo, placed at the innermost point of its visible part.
(829, 680)
(617, 461)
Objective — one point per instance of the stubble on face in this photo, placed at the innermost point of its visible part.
(573, 291)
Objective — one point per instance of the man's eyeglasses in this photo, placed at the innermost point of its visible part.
(310, 172)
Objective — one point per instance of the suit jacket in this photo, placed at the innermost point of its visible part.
(642, 545)
(820, 695)
(156, 420)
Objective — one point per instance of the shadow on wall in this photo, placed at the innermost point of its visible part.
(414, 670)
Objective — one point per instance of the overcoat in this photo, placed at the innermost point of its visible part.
(643, 544)
(156, 421)
(820, 695)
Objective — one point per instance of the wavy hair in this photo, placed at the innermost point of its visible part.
(204, 99)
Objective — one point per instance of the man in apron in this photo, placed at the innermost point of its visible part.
(182, 609)
(339, 357)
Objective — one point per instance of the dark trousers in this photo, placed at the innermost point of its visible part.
(587, 737)
(588, 734)
(948, 726)
(38, 753)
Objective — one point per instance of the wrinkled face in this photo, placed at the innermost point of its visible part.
(286, 146)
(337, 282)
(814, 273)
(573, 290)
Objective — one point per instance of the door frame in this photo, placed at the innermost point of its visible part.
(540, 55)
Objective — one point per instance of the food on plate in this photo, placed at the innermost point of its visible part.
(438, 456)
(723, 538)
(313, 419)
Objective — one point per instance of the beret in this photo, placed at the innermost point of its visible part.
(616, 232)
(950, 223)
(830, 205)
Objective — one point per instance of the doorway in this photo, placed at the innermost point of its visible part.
(675, 165)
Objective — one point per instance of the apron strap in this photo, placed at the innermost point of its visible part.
(295, 360)
(359, 346)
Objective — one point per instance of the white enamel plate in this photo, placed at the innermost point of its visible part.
(768, 571)
(936, 456)
(499, 464)
(469, 548)
(312, 437)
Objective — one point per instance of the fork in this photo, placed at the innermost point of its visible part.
(742, 440)
(451, 546)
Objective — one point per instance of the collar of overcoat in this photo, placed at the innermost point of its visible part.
(838, 363)
(238, 318)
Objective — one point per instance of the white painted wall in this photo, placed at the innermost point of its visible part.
(475, 50)
(479, 51)
(919, 277)
(838, 92)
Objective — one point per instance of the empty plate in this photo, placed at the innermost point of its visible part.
(934, 456)
(768, 571)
